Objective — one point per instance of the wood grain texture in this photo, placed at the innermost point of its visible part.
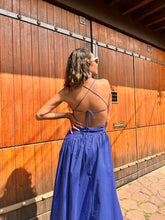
(36, 83)
(9, 177)
(17, 84)
(38, 168)
(123, 147)
(149, 92)
(34, 9)
(25, 6)
(1, 180)
(29, 171)
(7, 98)
(150, 140)
(115, 38)
(119, 71)
(19, 172)
(44, 80)
(27, 90)
(56, 147)
(47, 167)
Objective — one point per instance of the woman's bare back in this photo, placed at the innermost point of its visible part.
(90, 102)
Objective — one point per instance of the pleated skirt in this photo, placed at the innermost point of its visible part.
(85, 185)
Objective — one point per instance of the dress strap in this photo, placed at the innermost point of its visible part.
(84, 95)
(95, 94)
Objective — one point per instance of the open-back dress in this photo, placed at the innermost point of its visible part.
(85, 185)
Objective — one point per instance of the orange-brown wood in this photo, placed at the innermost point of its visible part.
(7, 98)
(123, 147)
(1, 180)
(9, 178)
(42, 11)
(52, 75)
(38, 168)
(25, 7)
(16, 6)
(19, 174)
(29, 171)
(7, 5)
(44, 80)
(150, 140)
(56, 147)
(115, 38)
(47, 167)
(34, 9)
(119, 71)
(27, 90)
(149, 93)
(17, 84)
(36, 137)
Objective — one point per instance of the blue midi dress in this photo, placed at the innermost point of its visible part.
(85, 185)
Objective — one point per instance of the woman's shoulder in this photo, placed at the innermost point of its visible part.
(103, 82)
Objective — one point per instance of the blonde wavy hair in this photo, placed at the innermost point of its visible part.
(77, 67)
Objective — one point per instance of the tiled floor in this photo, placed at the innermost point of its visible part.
(144, 198)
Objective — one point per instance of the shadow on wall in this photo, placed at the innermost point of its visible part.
(22, 180)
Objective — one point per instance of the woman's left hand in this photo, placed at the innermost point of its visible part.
(74, 122)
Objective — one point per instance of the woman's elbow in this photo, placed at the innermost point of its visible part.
(38, 116)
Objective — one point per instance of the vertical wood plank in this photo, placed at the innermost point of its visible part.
(47, 167)
(44, 80)
(1, 181)
(9, 178)
(7, 82)
(38, 168)
(16, 6)
(50, 13)
(64, 19)
(52, 75)
(25, 8)
(33, 9)
(17, 83)
(56, 147)
(19, 171)
(29, 172)
(7, 5)
(27, 92)
(60, 124)
(42, 11)
(57, 16)
(36, 82)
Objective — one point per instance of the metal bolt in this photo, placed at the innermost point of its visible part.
(39, 22)
(19, 17)
(55, 28)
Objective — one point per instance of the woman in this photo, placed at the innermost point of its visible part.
(85, 185)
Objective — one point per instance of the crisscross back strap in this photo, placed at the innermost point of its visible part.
(84, 95)
(89, 89)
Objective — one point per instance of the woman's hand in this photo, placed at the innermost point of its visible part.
(74, 122)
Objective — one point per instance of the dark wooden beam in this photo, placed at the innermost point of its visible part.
(155, 21)
(160, 28)
(150, 9)
(112, 3)
(136, 6)
(155, 18)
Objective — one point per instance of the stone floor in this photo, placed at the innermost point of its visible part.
(144, 198)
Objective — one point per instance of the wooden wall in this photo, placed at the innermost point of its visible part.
(32, 69)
